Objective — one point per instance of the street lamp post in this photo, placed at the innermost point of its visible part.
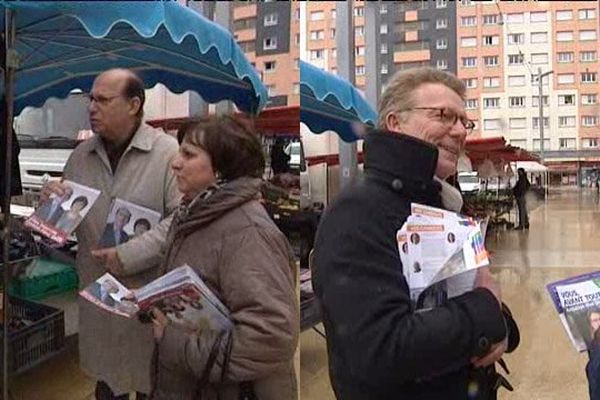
(541, 110)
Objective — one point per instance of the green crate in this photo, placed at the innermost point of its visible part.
(39, 287)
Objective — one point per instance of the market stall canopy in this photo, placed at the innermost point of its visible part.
(63, 45)
(276, 121)
(330, 103)
(496, 149)
(531, 166)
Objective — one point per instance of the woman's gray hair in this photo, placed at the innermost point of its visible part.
(398, 94)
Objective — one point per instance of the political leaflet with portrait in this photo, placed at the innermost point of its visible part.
(577, 302)
(125, 221)
(58, 217)
(181, 295)
(437, 245)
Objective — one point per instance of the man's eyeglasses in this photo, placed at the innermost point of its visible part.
(100, 99)
(448, 117)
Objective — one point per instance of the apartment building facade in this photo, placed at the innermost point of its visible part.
(412, 34)
(501, 47)
(268, 33)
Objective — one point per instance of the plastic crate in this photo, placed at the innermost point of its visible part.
(36, 288)
(38, 342)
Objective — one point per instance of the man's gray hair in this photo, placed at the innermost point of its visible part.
(398, 94)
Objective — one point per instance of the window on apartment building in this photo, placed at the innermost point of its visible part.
(271, 90)
(384, 68)
(470, 41)
(383, 29)
(383, 9)
(317, 16)
(588, 77)
(469, 21)
(412, 46)
(516, 80)
(589, 98)
(270, 66)
(297, 39)
(317, 54)
(564, 15)
(441, 3)
(491, 40)
(565, 57)
(589, 143)
(359, 51)
(469, 62)
(566, 79)
(515, 18)
(492, 82)
(535, 122)
(589, 120)
(384, 48)
(539, 58)
(359, 31)
(465, 3)
(317, 35)
(564, 36)
(359, 11)
(490, 19)
(270, 19)
(332, 33)
(566, 100)
(334, 53)
(490, 61)
(333, 13)
(441, 23)
(516, 102)
(442, 64)
(587, 35)
(536, 144)
(515, 59)
(567, 121)
(517, 123)
(297, 14)
(471, 104)
(588, 13)
(296, 88)
(538, 16)
(587, 56)
(360, 70)
(491, 102)
(270, 43)
(539, 37)
(296, 63)
(491, 124)
(441, 44)
(248, 47)
(535, 101)
(470, 83)
(567, 143)
(334, 70)
(516, 38)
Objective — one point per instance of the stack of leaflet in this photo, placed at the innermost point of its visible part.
(436, 245)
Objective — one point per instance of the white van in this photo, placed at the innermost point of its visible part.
(469, 182)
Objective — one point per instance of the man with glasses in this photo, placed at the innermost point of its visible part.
(381, 345)
(125, 159)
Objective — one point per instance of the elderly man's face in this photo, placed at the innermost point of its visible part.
(427, 125)
(111, 112)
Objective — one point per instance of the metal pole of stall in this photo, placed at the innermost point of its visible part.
(8, 65)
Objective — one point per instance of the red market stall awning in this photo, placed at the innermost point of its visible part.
(276, 121)
(496, 148)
